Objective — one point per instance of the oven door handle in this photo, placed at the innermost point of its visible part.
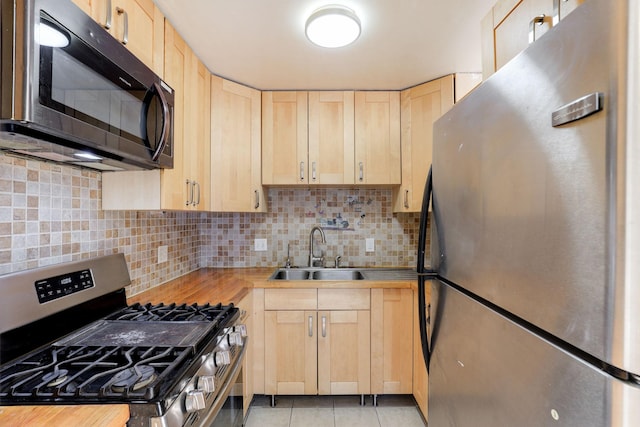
(226, 389)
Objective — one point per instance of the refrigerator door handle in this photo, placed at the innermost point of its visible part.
(423, 317)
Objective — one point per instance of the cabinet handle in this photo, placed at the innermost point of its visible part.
(310, 326)
(361, 167)
(189, 193)
(197, 186)
(257, 195)
(406, 199)
(313, 171)
(107, 20)
(324, 326)
(125, 33)
(538, 20)
(556, 11)
(301, 171)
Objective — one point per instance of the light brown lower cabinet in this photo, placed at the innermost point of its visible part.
(317, 351)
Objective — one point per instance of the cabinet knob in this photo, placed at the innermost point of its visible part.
(107, 20)
(535, 22)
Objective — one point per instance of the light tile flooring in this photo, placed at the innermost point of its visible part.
(334, 411)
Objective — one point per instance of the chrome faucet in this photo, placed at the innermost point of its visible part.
(312, 258)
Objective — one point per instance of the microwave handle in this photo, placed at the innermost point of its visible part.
(165, 120)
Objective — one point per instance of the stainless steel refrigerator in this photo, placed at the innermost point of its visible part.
(534, 317)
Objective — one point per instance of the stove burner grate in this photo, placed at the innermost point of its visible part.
(135, 378)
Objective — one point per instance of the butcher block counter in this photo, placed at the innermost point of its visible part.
(207, 285)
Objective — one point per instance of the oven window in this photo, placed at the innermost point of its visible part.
(80, 82)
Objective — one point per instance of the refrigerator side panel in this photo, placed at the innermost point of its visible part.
(536, 207)
(488, 371)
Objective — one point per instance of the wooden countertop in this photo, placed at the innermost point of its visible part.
(64, 416)
(207, 285)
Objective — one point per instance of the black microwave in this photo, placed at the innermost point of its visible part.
(72, 93)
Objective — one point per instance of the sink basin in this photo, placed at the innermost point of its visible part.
(337, 275)
(291, 274)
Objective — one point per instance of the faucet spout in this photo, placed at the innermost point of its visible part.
(313, 259)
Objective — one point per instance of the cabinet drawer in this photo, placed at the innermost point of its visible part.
(290, 299)
(344, 299)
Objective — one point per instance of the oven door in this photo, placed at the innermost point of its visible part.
(227, 409)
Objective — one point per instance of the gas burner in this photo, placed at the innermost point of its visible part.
(55, 378)
(134, 378)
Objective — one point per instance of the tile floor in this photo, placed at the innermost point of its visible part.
(334, 411)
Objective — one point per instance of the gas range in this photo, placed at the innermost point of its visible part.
(173, 364)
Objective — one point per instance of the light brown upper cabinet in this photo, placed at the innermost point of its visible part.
(138, 24)
(512, 24)
(420, 107)
(186, 185)
(331, 137)
(235, 148)
(285, 138)
(377, 138)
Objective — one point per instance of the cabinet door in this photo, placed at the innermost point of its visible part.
(391, 341)
(197, 130)
(331, 138)
(291, 350)
(421, 106)
(174, 191)
(137, 24)
(284, 138)
(420, 376)
(344, 352)
(512, 34)
(377, 138)
(235, 148)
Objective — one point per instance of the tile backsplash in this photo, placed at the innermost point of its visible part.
(51, 213)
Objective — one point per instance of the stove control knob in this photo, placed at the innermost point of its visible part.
(235, 338)
(194, 401)
(222, 358)
(206, 384)
(242, 329)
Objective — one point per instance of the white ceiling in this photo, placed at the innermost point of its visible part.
(261, 43)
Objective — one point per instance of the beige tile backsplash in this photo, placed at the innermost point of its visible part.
(51, 213)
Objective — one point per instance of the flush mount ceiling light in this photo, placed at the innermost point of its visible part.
(333, 26)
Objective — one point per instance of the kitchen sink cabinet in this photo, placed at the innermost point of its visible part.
(310, 349)
(391, 341)
(377, 138)
(236, 177)
(420, 107)
(138, 24)
(512, 24)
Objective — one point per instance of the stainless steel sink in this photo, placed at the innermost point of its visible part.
(337, 274)
(290, 274)
(384, 274)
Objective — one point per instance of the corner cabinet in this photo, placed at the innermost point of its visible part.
(235, 148)
(420, 107)
(137, 24)
(512, 25)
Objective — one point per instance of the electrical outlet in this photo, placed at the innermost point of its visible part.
(260, 245)
(370, 245)
(163, 254)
